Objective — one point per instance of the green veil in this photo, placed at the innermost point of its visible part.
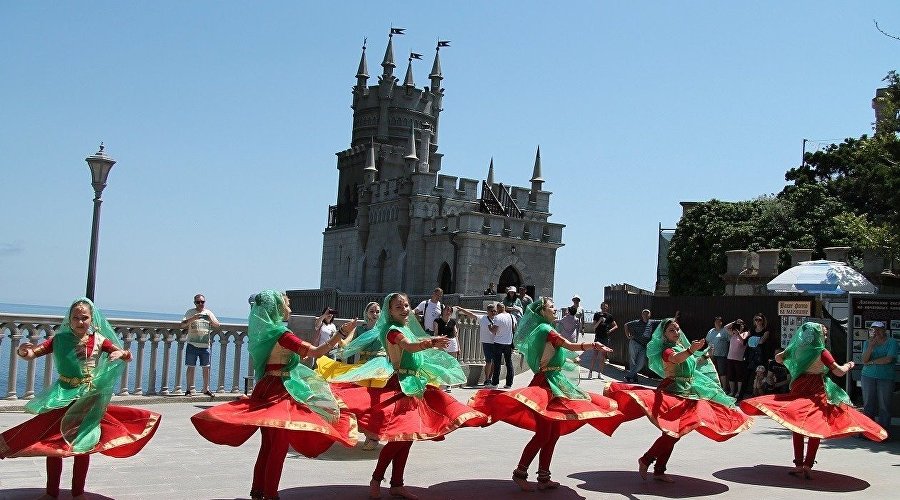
(689, 381)
(366, 339)
(530, 340)
(266, 326)
(417, 369)
(806, 347)
(87, 401)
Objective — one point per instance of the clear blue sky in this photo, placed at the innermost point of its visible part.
(224, 118)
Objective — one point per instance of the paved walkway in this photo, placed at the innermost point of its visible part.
(476, 464)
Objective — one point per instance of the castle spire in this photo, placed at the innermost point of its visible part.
(490, 176)
(408, 81)
(436, 75)
(362, 73)
(411, 158)
(370, 171)
(537, 181)
(388, 62)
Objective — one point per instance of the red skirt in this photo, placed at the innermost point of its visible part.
(387, 414)
(528, 406)
(677, 416)
(806, 410)
(272, 406)
(124, 430)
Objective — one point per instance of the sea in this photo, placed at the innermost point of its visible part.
(29, 309)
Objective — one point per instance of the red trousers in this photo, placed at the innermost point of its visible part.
(79, 474)
(544, 441)
(270, 461)
(811, 450)
(396, 452)
(659, 453)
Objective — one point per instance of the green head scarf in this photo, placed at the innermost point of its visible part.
(265, 327)
(689, 381)
(530, 340)
(87, 401)
(365, 340)
(417, 369)
(806, 347)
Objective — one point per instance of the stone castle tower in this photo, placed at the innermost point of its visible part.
(401, 225)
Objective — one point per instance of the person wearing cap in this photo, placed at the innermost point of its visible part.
(878, 359)
(512, 303)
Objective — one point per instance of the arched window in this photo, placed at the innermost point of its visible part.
(509, 277)
(445, 278)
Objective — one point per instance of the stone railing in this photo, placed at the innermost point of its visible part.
(158, 349)
(158, 356)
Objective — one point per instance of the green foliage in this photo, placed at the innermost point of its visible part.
(845, 195)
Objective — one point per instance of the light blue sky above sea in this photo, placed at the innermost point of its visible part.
(224, 118)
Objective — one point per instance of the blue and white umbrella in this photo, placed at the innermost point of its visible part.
(821, 277)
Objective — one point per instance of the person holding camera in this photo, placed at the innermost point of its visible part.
(199, 322)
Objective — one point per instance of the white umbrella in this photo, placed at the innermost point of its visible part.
(821, 277)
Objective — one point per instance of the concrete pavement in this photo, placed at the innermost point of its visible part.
(476, 464)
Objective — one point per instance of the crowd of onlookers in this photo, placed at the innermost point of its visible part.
(744, 357)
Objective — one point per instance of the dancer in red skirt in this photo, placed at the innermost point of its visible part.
(74, 417)
(686, 399)
(291, 405)
(815, 407)
(410, 407)
(552, 405)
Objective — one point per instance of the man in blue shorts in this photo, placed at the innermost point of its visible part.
(199, 322)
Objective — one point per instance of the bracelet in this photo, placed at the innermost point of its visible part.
(582, 346)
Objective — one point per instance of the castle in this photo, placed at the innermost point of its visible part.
(399, 224)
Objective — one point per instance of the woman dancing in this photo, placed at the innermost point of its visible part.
(291, 405)
(815, 407)
(74, 417)
(686, 399)
(409, 407)
(551, 405)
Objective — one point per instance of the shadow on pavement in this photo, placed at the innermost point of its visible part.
(629, 484)
(777, 476)
(32, 493)
(469, 489)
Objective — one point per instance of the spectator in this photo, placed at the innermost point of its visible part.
(759, 381)
(579, 312)
(736, 366)
(718, 339)
(325, 327)
(487, 330)
(757, 352)
(569, 326)
(429, 310)
(524, 297)
(638, 332)
(199, 322)
(778, 378)
(878, 359)
(490, 289)
(604, 325)
(503, 341)
(512, 303)
(446, 326)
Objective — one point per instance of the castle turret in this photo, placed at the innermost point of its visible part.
(362, 74)
(411, 159)
(537, 181)
(370, 172)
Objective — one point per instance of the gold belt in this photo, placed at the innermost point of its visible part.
(407, 371)
(278, 373)
(551, 368)
(75, 381)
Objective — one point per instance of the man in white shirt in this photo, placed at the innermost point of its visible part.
(199, 322)
(487, 330)
(503, 347)
(429, 310)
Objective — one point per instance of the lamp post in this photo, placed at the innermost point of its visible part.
(100, 165)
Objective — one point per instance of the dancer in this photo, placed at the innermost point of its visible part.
(409, 408)
(552, 404)
(815, 407)
(291, 405)
(686, 399)
(74, 417)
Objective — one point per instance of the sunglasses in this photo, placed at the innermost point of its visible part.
(199, 302)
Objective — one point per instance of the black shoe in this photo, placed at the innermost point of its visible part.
(210, 394)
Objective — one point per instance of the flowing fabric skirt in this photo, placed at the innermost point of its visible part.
(387, 414)
(527, 406)
(330, 369)
(124, 430)
(270, 405)
(806, 410)
(676, 416)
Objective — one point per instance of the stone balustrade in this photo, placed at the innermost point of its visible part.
(157, 368)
